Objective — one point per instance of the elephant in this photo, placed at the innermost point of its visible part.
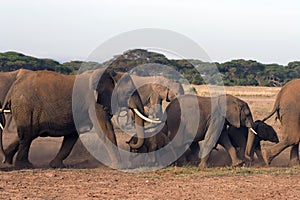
(153, 90)
(287, 109)
(42, 104)
(238, 138)
(214, 113)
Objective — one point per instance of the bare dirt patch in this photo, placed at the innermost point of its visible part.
(86, 178)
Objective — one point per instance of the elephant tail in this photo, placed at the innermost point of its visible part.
(275, 110)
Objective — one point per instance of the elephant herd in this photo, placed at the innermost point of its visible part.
(45, 103)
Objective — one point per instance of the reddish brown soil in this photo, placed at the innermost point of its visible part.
(103, 183)
(85, 178)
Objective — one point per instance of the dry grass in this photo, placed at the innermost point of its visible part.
(240, 91)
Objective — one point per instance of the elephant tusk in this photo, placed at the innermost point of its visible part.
(1, 126)
(145, 118)
(253, 131)
(155, 119)
(5, 111)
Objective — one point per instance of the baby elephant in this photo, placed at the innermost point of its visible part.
(238, 137)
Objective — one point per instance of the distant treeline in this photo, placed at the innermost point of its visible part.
(235, 72)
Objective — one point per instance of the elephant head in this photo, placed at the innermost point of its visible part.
(116, 91)
(168, 91)
(236, 112)
(263, 131)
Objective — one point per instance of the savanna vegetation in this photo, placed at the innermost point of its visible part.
(236, 72)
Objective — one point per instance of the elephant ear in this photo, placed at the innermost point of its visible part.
(231, 110)
(95, 78)
(102, 84)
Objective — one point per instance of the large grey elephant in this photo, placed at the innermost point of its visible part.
(42, 104)
(191, 119)
(287, 109)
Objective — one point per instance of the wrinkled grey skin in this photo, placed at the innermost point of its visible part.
(238, 137)
(6, 81)
(237, 114)
(287, 109)
(41, 105)
(155, 89)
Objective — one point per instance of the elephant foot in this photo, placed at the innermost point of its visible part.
(23, 164)
(117, 165)
(57, 164)
(266, 157)
(5, 165)
(294, 163)
(248, 158)
(238, 163)
(8, 160)
(203, 165)
(180, 161)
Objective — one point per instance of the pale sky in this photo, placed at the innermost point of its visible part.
(263, 30)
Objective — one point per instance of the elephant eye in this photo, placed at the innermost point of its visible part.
(246, 111)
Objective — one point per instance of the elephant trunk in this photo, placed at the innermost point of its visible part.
(250, 145)
(136, 103)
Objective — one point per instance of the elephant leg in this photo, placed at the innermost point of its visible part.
(259, 155)
(107, 133)
(270, 153)
(193, 157)
(225, 142)
(294, 155)
(203, 163)
(64, 151)
(22, 155)
(11, 150)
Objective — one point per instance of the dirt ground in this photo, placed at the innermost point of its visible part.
(86, 178)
